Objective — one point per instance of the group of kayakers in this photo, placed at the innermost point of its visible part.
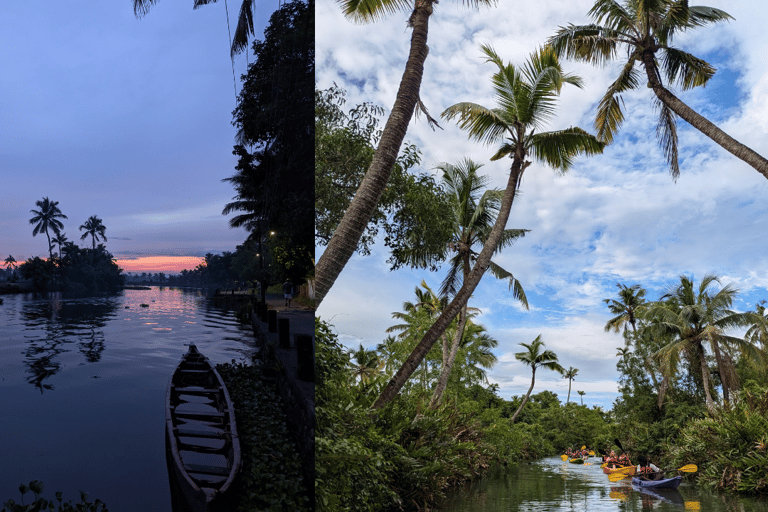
(644, 470)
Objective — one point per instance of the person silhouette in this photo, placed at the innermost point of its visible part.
(288, 292)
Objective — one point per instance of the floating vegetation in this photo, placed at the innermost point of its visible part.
(36, 486)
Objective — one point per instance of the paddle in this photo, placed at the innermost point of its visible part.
(689, 468)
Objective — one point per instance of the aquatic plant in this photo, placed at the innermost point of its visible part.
(36, 486)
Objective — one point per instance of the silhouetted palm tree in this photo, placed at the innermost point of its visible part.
(60, 240)
(646, 28)
(94, 227)
(47, 217)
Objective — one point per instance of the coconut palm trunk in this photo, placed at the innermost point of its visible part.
(482, 263)
(442, 381)
(698, 121)
(527, 395)
(347, 235)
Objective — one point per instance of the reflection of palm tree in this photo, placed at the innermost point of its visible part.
(526, 97)
(570, 374)
(535, 357)
(47, 217)
(646, 28)
(94, 227)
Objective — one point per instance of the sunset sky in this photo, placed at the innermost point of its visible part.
(614, 218)
(123, 118)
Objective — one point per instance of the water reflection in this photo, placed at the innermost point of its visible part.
(53, 325)
(551, 485)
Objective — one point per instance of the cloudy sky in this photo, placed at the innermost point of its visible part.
(615, 218)
(123, 118)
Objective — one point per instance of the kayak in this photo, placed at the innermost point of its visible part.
(627, 470)
(576, 461)
(665, 483)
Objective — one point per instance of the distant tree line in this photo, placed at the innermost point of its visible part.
(73, 269)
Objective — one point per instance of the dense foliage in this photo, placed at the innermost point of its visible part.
(40, 503)
(411, 210)
(80, 271)
(270, 477)
(405, 455)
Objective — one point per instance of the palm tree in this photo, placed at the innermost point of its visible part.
(695, 316)
(758, 330)
(646, 29)
(244, 22)
(347, 234)
(473, 216)
(47, 217)
(10, 262)
(630, 298)
(570, 374)
(535, 357)
(526, 97)
(94, 227)
(60, 240)
(365, 364)
(581, 394)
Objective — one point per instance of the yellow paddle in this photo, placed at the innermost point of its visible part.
(615, 477)
(591, 453)
(584, 447)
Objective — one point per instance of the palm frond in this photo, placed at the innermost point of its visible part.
(244, 27)
(686, 70)
(666, 133)
(589, 43)
(609, 115)
(612, 15)
(141, 7)
(558, 148)
(518, 293)
(483, 124)
(367, 11)
(700, 15)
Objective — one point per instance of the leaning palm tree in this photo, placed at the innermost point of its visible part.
(570, 374)
(526, 98)
(697, 317)
(473, 213)
(94, 227)
(535, 357)
(47, 217)
(646, 29)
(347, 234)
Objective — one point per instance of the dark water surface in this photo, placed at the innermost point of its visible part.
(82, 389)
(552, 485)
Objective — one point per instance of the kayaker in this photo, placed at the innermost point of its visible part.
(646, 470)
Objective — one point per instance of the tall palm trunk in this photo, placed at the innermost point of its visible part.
(699, 122)
(528, 394)
(705, 378)
(568, 400)
(442, 382)
(397, 382)
(347, 235)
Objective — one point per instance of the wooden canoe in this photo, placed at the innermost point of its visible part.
(203, 450)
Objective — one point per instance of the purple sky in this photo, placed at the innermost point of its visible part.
(123, 118)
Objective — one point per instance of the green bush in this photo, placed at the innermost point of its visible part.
(40, 503)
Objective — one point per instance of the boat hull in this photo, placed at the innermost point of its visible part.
(576, 461)
(202, 447)
(666, 483)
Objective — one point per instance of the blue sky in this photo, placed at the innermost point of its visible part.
(123, 118)
(615, 218)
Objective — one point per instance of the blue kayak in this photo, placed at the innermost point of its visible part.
(665, 483)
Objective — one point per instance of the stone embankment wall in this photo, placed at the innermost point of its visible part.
(288, 356)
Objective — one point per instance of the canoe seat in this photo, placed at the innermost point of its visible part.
(192, 371)
(191, 447)
(207, 434)
(199, 415)
(195, 390)
(206, 470)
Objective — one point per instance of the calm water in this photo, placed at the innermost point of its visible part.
(82, 389)
(551, 485)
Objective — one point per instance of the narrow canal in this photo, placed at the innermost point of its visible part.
(82, 389)
(552, 485)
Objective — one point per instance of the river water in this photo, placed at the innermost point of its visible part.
(82, 389)
(554, 486)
